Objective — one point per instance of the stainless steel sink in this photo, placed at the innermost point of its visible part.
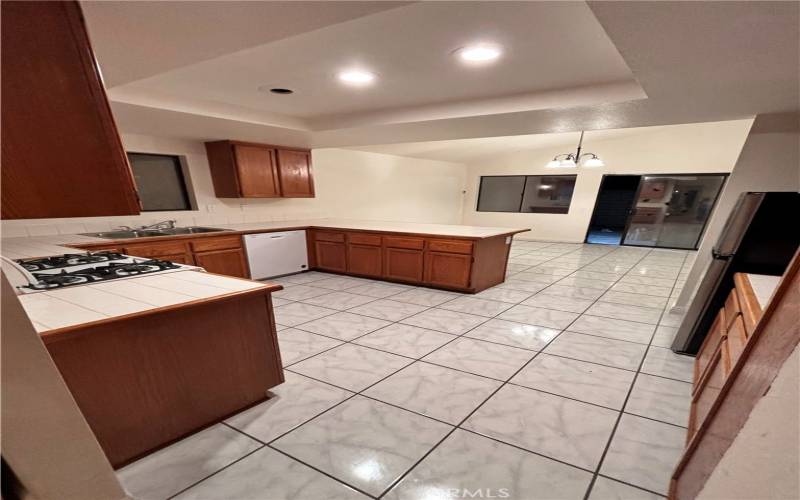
(190, 230)
(147, 233)
(118, 235)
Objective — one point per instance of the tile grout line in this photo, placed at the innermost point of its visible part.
(455, 337)
(269, 444)
(459, 426)
(625, 403)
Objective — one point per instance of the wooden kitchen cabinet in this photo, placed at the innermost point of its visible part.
(243, 170)
(62, 155)
(251, 170)
(331, 256)
(403, 264)
(216, 254)
(364, 260)
(294, 170)
(145, 380)
(228, 262)
(448, 269)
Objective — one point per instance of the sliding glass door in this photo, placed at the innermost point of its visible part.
(671, 211)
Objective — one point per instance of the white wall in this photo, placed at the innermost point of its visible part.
(46, 440)
(769, 161)
(764, 459)
(693, 148)
(349, 184)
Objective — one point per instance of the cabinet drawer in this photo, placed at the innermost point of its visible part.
(329, 236)
(709, 347)
(751, 310)
(364, 239)
(398, 242)
(737, 339)
(710, 388)
(157, 249)
(732, 308)
(452, 246)
(223, 243)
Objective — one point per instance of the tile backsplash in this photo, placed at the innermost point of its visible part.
(43, 227)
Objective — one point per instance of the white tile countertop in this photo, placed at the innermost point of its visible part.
(25, 247)
(83, 304)
(388, 226)
(763, 287)
(44, 246)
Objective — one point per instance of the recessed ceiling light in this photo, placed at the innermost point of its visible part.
(275, 90)
(356, 77)
(479, 53)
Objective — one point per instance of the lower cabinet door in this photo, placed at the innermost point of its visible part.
(331, 256)
(403, 264)
(448, 269)
(364, 260)
(228, 262)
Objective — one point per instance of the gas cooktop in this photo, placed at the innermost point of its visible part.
(78, 269)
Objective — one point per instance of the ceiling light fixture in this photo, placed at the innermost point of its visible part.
(572, 160)
(356, 77)
(479, 53)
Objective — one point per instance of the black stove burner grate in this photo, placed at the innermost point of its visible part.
(70, 259)
(113, 270)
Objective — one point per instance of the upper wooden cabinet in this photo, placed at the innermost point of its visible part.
(62, 155)
(248, 170)
(294, 168)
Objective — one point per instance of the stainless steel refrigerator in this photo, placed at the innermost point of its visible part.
(760, 236)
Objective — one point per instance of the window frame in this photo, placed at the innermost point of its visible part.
(183, 175)
(521, 194)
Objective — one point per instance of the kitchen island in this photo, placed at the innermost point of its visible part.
(453, 257)
(154, 358)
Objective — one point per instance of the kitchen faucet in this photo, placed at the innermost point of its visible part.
(166, 224)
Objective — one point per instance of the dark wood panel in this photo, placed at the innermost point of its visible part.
(257, 171)
(364, 260)
(157, 377)
(294, 169)
(448, 269)
(331, 256)
(230, 262)
(62, 155)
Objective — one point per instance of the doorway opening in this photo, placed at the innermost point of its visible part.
(613, 207)
(660, 211)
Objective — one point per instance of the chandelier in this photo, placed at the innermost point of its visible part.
(572, 160)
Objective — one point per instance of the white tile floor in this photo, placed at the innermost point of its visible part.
(557, 383)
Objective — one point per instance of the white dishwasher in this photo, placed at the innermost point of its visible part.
(276, 254)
